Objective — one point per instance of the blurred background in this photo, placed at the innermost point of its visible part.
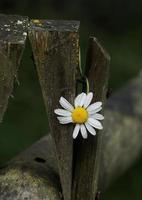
(117, 25)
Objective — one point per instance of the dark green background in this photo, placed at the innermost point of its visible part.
(117, 24)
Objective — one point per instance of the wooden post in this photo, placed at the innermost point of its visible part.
(12, 41)
(33, 174)
(55, 47)
(88, 152)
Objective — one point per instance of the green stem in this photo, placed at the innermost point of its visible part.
(87, 85)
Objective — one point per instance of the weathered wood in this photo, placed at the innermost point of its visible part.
(122, 141)
(55, 47)
(12, 41)
(34, 173)
(88, 152)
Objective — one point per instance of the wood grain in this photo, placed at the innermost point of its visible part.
(55, 47)
(34, 175)
(88, 152)
(13, 32)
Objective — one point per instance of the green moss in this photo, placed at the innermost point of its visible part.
(18, 185)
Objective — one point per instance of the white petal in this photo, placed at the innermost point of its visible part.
(94, 106)
(98, 109)
(82, 101)
(97, 116)
(65, 104)
(64, 120)
(78, 99)
(88, 99)
(76, 131)
(95, 111)
(62, 112)
(95, 123)
(90, 128)
(83, 131)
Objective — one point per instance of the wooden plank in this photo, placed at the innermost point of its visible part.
(12, 41)
(38, 164)
(55, 47)
(88, 152)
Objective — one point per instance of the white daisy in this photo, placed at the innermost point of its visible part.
(82, 114)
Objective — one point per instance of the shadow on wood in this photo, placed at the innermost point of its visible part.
(55, 47)
(34, 174)
(25, 177)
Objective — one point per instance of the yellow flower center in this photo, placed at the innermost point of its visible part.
(79, 115)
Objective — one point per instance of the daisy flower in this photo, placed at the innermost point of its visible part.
(84, 115)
